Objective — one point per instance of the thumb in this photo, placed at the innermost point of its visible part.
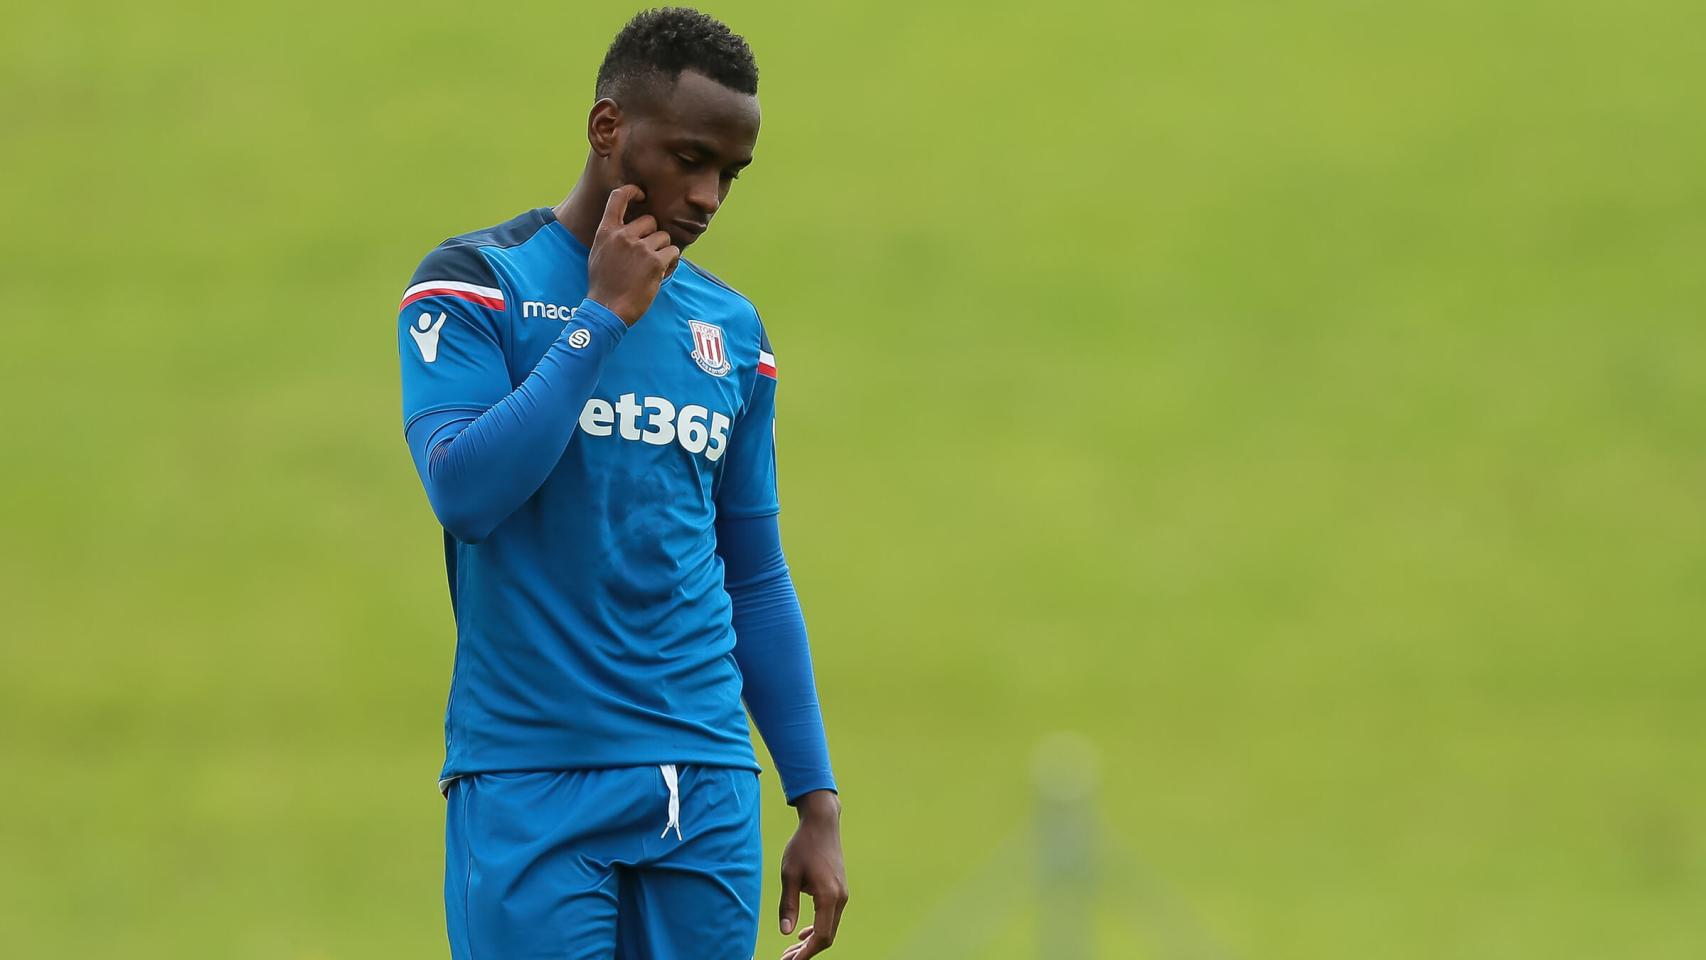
(790, 909)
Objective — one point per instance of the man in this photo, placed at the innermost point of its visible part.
(592, 418)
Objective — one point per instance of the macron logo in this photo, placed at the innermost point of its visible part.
(550, 311)
(425, 332)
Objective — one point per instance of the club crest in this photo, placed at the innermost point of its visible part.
(708, 349)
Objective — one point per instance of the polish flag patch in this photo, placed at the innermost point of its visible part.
(484, 296)
(767, 364)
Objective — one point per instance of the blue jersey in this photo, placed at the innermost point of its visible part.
(593, 628)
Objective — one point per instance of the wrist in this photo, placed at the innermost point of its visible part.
(597, 313)
(614, 306)
(819, 805)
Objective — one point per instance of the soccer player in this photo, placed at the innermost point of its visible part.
(592, 417)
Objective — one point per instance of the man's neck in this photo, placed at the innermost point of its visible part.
(581, 210)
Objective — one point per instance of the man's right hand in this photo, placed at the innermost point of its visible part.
(628, 260)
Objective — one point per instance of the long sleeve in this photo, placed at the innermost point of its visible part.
(774, 656)
(480, 448)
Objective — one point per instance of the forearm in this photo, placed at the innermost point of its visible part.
(479, 469)
(774, 655)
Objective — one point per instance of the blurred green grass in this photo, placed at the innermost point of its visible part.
(1301, 400)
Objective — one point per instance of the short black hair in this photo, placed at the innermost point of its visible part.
(659, 44)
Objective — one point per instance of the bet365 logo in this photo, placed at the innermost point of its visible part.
(696, 428)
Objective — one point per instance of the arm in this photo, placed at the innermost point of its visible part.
(774, 657)
(480, 447)
(479, 467)
(776, 667)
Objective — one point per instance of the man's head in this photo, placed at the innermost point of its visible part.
(677, 115)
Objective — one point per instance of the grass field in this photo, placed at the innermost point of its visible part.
(1304, 401)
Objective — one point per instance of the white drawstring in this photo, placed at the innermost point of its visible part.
(674, 801)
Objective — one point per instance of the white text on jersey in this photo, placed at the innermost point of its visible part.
(550, 311)
(696, 428)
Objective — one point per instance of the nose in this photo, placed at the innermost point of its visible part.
(705, 195)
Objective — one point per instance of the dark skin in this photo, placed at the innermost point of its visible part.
(658, 170)
(660, 167)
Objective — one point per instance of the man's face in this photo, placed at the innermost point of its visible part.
(684, 149)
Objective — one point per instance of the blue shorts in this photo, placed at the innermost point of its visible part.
(585, 864)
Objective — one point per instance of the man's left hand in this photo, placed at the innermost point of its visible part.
(812, 864)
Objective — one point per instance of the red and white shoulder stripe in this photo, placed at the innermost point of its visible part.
(484, 296)
(767, 364)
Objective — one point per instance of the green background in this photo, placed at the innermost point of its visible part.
(1301, 401)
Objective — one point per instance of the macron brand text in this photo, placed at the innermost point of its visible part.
(550, 311)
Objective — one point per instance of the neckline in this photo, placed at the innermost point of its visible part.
(552, 223)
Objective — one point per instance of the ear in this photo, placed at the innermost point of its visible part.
(604, 127)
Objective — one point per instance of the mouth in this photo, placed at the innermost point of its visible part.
(692, 228)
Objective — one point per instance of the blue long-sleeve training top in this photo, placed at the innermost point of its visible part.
(608, 498)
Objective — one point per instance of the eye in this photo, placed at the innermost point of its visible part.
(687, 160)
(731, 174)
